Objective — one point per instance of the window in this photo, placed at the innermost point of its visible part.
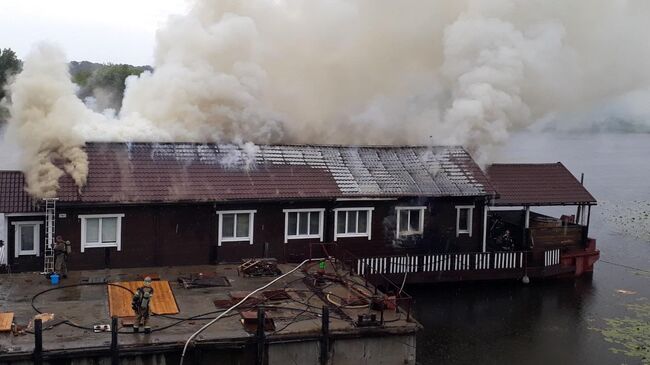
(27, 238)
(236, 226)
(352, 222)
(410, 221)
(464, 219)
(101, 230)
(303, 223)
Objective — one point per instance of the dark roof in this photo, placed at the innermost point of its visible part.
(537, 184)
(13, 197)
(176, 172)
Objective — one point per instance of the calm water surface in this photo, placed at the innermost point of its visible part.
(555, 321)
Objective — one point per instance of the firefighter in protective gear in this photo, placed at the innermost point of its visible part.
(140, 305)
(61, 251)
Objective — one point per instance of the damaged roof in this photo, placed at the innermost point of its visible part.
(175, 172)
(13, 197)
(537, 184)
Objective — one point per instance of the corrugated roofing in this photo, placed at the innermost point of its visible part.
(171, 172)
(537, 184)
(13, 197)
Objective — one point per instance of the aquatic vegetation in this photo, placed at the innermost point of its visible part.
(629, 218)
(631, 334)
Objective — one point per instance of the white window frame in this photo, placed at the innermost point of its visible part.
(118, 234)
(251, 225)
(368, 232)
(18, 242)
(470, 220)
(297, 236)
(399, 210)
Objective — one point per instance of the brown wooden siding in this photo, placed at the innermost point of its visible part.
(26, 262)
(183, 234)
(151, 236)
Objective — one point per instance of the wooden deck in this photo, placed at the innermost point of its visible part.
(119, 298)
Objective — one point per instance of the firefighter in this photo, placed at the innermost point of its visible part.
(61, 251)
(140, 305)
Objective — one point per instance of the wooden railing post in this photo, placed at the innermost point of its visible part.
(38, 341)
(325, 340)
(115, 355)
(261, 343)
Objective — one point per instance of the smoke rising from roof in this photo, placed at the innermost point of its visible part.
(349, 72)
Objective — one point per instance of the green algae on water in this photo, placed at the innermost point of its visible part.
(630, 334)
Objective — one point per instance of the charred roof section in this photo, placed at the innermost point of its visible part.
(537, 184)
(176, 172)
(13, 197)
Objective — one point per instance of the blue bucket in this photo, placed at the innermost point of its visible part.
(54, 278)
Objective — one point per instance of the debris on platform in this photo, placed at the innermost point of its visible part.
(276, 295)
(6, 320)
(249, 321)
(44, 317)
(259, 267)
(201, 280)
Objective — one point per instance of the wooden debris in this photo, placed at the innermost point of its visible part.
(6, 319)
(259, 267)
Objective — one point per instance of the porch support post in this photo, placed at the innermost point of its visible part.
(527, 219)
(485, 214)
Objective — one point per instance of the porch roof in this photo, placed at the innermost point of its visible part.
(13, 197)
(191, 172)
(536, 185)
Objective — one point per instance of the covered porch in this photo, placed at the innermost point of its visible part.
(517, 241)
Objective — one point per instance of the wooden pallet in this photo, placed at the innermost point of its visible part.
(6, 319)
(119, 299)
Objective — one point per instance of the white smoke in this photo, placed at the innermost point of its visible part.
(355, 72)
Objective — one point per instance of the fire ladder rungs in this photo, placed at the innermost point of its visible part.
(50, 229)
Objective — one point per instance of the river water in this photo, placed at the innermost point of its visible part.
(604, 319)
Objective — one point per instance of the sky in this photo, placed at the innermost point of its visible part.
(117, 31)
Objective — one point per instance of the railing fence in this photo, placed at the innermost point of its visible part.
(450, 262)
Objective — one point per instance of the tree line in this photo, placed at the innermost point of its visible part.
(103, 81)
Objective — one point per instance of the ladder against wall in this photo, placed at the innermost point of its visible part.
(50, 231)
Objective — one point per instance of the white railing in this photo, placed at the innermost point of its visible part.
(482, 261)
(552, 257)
(449, 262)
(436, 263)
(508, 260)
(462, 262)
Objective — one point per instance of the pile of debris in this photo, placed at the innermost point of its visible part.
(201, 280)
(259, 267)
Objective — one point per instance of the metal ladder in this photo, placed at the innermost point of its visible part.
(50, 228)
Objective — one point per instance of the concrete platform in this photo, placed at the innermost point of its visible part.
(297, 320)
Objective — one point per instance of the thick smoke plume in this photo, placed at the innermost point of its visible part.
(353, 72)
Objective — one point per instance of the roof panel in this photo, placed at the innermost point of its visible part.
(13, 197)
(537, 184)
(167, 172)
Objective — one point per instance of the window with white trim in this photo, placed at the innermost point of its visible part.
(464, 217)
(410, 221)
(303, 223)
(101, 230)
(236, 226)
(352, 222)
(27, 237)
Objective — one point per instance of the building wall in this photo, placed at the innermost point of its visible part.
(181, 234)
(151, 236)
(25, 262)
